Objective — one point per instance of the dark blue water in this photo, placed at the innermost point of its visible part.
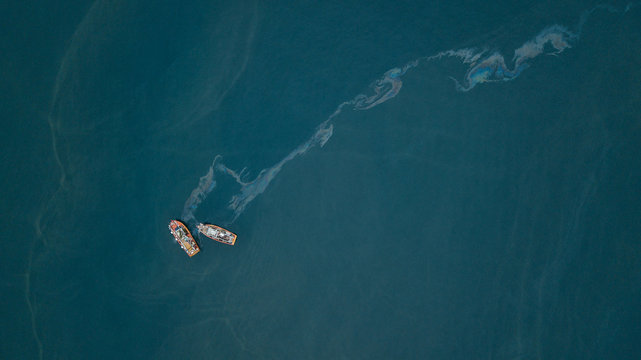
(444, 180)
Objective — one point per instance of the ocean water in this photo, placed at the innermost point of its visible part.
(408, 180)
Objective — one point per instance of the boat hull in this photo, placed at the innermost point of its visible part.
(183, 237)
(217, 233)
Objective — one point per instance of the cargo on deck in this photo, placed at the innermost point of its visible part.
(183, 237)
(217, 233)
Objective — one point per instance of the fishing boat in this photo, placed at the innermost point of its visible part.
(217, 233)
(183, 237)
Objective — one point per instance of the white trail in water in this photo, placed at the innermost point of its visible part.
(482, 68)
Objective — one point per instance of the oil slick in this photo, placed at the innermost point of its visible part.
(493, 67)
(385, 88)
(206, 184)
(482, 67)
(249, 189)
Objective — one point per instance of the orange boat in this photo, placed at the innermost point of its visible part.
(183, 237)
(217, 233)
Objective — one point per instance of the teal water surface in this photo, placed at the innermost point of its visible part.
(408, 180)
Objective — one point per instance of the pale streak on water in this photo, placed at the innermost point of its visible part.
(491, 68)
